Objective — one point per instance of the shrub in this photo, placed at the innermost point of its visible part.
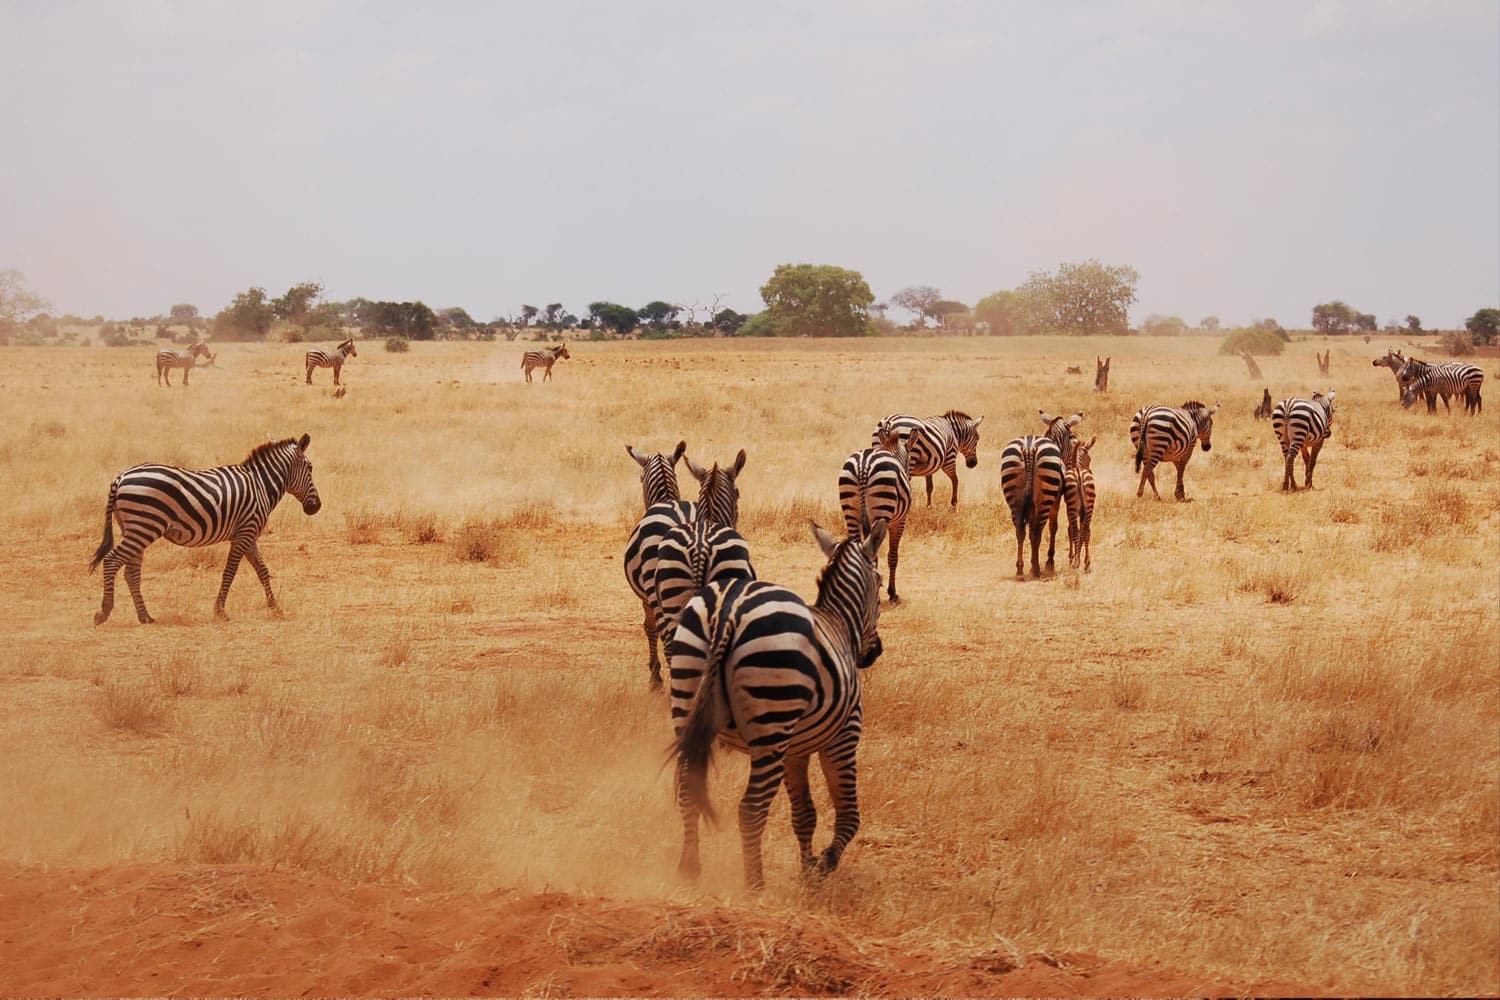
(1254, 340)
(397, 345)
(289, 335)
(1458, 344)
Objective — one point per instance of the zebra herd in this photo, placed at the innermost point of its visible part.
(1416, 378)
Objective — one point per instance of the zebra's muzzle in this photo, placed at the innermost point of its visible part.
(312, 506)
(1207, 446)
(971, 462)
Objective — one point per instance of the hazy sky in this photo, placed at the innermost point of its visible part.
(1248, 159)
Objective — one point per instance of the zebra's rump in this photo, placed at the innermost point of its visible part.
(1297, 422)
(873, 485)
(185, 506)
(690, 556)
(645, 540)
(1032, 475)
(1162, 433)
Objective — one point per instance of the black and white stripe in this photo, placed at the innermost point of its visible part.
(1078, 494)
(319, 358)
(718, 505)
(934, 444)
(1302, 425)
(1452, 378)
(190, 507)
(1032, 477)
(543, 359)
(754, 666)
(1166, 434)
(658, 474)
(186, 360)
(689, 557)
(874, 486)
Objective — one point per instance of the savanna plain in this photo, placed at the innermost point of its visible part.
(1256, 749)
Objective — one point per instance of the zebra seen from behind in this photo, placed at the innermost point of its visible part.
(1452, 378)
(1166, 434)
(1032, 477)
(543, 359)
(1302, 425)
(874, 486)
(319, 358)
(754, 666)
(188, 507)
(718, 506)
(186, 360)
(658, 474)
(1078, 493)
(934, 444)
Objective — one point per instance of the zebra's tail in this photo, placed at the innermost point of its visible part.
(109, 528)
(1140, 448)
(700, 730)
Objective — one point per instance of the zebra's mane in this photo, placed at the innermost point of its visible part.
(957, 415)
(1194, 404)
(262, 450)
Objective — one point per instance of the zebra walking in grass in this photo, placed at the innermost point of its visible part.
(874, 486)
(754, 666)
(718, 506)
(1166, 434)
(319, 358)
(1302, 425)
(658, 474)
(186, 360)
(1453, 378)
(543, 359)
(1032, 478)
(934, 444)
(1078, 494)
(228, 504)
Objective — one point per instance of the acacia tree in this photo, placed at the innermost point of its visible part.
(658, 313)
(1338, 317)
(17, 303)
(296, 306)
(612, 316)
(1089, 298)
(1484, 325)
(919, 300)
(248, 317)
(817, 300)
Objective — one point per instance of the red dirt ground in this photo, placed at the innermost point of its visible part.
(251, 931)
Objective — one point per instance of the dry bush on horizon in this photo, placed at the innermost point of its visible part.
(1260, 735)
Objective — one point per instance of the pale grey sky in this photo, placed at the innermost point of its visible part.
(1248, 159)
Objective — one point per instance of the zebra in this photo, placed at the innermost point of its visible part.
(189, 507)
(319, 358)
(718, 505)
(1397, 363)
(874, 486)
(1032, 475)
(186, 360)
(1078, 493)
(689, 557)
(658, 474)
(754, 666)
(543, 359)
(1264, 409)
(934, 444)
(1451, 378)
(1166, 434)
(1302, 425)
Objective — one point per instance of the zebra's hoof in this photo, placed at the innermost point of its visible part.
(220, 615)
(147, 620)
(100, 617)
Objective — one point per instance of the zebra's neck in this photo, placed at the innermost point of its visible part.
(270, 471)
(839, 603)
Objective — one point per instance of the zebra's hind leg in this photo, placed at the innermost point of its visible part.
(841, 772)
(804, 813)
(1310, 462)
(1289, 475)
(253, 554)
(1052, 542)
(1086, 523)
(893, 557)
(929, 491)
(1020, 547)
(111, 567)
(133, 581)
(648, 626)
(765, 778)
(688, 864)
(1036, 545)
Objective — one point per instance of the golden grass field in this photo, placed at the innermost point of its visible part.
(1260, 741)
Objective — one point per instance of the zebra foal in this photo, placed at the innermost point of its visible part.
(1301, 426)
(1079, 493)
(1166, 434)
(188, 507)
(319, 358)
(543, 359)
(186, 360)
(754, 666)
(874, 486)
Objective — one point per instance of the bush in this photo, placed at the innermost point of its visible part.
(397, 345)
(1459, 344)
(1256, 340)
(289, 335)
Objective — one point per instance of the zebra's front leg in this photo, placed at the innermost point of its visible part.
(336, 369)
(253, 554)
(929, 491)
(185, 373)
(840, 770)
(1181, 492)
(309, 374)
(133, 581)
(804, 813)
(765, 778)
(237, 549)
(951, 471)
(648, 626)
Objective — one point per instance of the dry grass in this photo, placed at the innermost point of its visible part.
(1260, 736)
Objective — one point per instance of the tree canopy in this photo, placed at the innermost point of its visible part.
(1484, 325)
(817, 300)
(248, 317)
(17, 302)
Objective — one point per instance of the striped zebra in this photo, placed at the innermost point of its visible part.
(319, 358)
(754, 666)
(186, 360)
(1302, 425)
(689, 557)
(1032, 476)
(543, 359)
(1166, 434)
(658, 474)
(1078, 494)
(1452, 378)
(228, 504)
(874, 486)
(718, 505)
(934, 444)
(1397, 362)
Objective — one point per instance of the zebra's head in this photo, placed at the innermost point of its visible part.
(658, 474)
(299, 478)
(966, 433)
(718, 495)
(1060, 429)
(199, 350)
(1394, 360)
(1203, 416)
(1411, 388)
(561, 351)
(849, 585)
(1080, 459)
(347, 347)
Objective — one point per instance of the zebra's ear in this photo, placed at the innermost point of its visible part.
(978, 422)
(302, 444)
(739, 463)
(826, 542)
(1046, 417)
(1075, 418)
(1215, 409)
(640, 459)
(681, 447)
(874, 538)
(698, 471)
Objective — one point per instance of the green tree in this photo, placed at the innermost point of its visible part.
(1088, 298)
(1013, 313)
(918, 300)
(184, 314)
(248, 317)
(1336, 317)
(296, 305)
(817, 300)
(17, 303)
(1484, 325)
(412, 320)
(658, 313)
(1413, 323)
(456, 323)
(613, 317)
(952, 315)
(728, 321)
(528, 313)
